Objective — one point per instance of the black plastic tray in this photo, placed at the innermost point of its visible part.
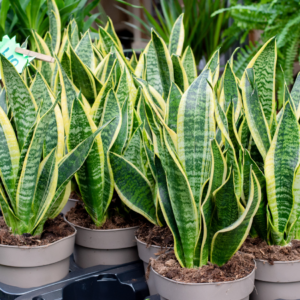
(124, 282)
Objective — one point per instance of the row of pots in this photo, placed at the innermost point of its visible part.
(36, 266)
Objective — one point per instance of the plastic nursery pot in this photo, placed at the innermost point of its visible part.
(145, 254)
(71, 203)
(104, 247)
(230, 290)
(278, 281)
(32, 266)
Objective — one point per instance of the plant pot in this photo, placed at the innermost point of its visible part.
(230, 290)
(104, 247)
(145, 254)
(71, 203)
(27, 267)
(278, 281)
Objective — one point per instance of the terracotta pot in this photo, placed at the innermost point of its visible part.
(145, 254)
(104, 247)
(230, 290)
(71, 203)
(278, 281)
(27, 266)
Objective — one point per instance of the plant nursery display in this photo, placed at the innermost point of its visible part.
(203, 165)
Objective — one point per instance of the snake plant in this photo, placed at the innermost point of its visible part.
(199, 182)
(35, 172)
(273, 148)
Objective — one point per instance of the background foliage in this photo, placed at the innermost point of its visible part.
(19, 17)
(278, 18)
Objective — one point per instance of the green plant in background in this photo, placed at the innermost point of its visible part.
(202, 32)
(21, 17)
(275, 18)
(35, 173)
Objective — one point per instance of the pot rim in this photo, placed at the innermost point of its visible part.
(278, 261)
(154, 246)
(206, 283)
(44, 246)
(73, 199)
(100, 230)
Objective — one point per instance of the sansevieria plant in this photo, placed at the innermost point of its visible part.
(35, 172)
(272, 149)
(198, 177)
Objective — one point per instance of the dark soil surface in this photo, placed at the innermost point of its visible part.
(75, 196)
(78, 216)
(155, 235)
(261, 250)
(54, 230)
(240, 266)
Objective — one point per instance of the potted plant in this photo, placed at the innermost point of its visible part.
(35, 173)
(107, 90)
(200, 188)
(274, 156)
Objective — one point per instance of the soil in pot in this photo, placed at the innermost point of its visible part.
(154, 235)
(278, 269)
(240, 266)
(79, 217)
(152, 241)
(261, 250)
(54, 230)
(31, 261)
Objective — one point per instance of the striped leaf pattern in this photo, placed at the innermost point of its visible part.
(55, 25)
(177, 37)
(20, 99)
(189, 64)
(90, 177)
(195, 128)
(256, 119)
(281, 162)
(264, 65)
(227, 241)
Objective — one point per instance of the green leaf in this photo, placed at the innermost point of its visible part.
(20, 99)
(195, 128)
(9, 157)
(164, 62)
(256, 119)
(260, 222)
(90, 177)
(281, 162)
(133, 187)
(173, 106)
(217, 178)
(264, 65)
(55, 25)
(28, 178)
(72, 162)
(183, 204)
(82, 78)
(295, 93)
(180, 76)
(177, 37)
(227, 241)
(189, 64)
(85, 51)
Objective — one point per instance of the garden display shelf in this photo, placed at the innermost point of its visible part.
(126, 282)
